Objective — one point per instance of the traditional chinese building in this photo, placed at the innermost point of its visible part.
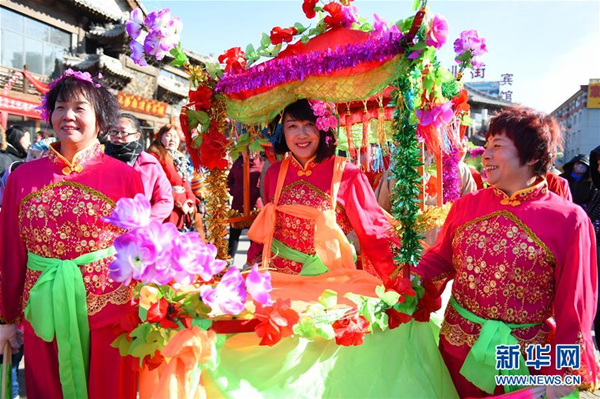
(39, 39)
(483, 106)
(580, 116)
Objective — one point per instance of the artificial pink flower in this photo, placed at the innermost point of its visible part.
(131, 213)
(190, 257)
(438, 32)
(156, 44)
(259, 286)
(229, 296)
(437, 116)
(469, 41)
(158, 20)
(135, 24)
(350, 16)
(137, 53)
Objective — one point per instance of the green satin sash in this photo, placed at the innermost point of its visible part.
(312, 265)
(480, 365)
(57, 307)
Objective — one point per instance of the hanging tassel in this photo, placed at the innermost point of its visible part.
(351, 146)
(365, 127)
(381, 136)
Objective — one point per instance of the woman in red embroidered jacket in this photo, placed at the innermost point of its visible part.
(522, 260)
(164, 148)
(55, 251)
(307, 177)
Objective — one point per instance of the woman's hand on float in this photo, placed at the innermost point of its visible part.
(8, 333)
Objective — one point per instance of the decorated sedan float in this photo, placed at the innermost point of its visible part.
(206, 327)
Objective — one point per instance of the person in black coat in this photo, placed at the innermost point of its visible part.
(18, 140)
(577, 173)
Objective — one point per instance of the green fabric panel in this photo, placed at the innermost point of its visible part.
(57, 307)
(312, 265)
(480, 365)
(400, 363)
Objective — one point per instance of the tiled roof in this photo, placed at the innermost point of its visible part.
(109, 30)
(86, 61)
(173, 86)
(109, 9)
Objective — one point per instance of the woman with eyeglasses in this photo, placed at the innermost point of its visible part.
(125, 144)
(164, 148)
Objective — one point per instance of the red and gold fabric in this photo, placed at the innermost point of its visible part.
(355, 209)
(53, 208)
(521, 259)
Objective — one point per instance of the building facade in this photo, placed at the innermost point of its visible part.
(580, 118)
(39, 39)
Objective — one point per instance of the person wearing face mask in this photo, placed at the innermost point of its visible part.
(522, 260)
(174, 164)
(577, 173)
(18, 141)
(125, 144)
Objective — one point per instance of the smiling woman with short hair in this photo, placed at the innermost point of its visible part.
(522, 259)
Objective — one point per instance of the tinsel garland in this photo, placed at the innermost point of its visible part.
(322, 63)
(451, 179)
(406, 158)
(217, 208)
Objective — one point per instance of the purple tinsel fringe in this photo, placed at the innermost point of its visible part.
(451, 175)
(299, 67)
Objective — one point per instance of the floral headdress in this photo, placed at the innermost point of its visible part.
(83, 76)
(325, 113)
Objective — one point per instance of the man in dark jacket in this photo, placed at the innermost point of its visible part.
(593, 211)
(577, 173)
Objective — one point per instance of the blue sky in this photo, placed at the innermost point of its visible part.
(551, 47)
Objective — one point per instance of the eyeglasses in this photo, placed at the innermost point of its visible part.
(120, 133)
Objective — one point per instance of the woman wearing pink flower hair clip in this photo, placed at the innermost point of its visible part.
(315, 200)
(55, 250)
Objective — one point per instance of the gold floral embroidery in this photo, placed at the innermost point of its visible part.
(120, 296)
(298, 233)
(78, 160)
(72, 184)
(63, 220)
(527, 194)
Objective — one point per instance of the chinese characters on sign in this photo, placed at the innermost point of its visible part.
(132, 102)
(478, 72)
(593, 100)
(538, 356)
(507, 79)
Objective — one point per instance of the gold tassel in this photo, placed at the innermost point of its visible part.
(381, 136)
(217, 207)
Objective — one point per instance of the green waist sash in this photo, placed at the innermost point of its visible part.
(480, 365)
(312, 265)
(57, 307)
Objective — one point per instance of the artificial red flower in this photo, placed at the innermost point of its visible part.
(336, 15)
(351, 331)
(128, 322)
(461, 102)
(213, 148)
(292, 49)
(152, 362)
(276, 321)
(401, 285)
(279, 35)
(431, 302)
(164, 313)
(201, 98)
(309, 8)
(234, 59)
(396, 318)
